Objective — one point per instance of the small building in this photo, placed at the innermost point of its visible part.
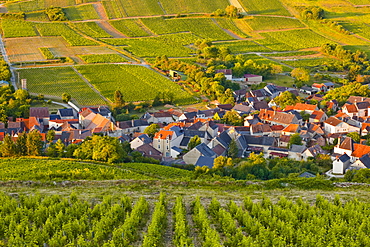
(253, 79)
(341, 163)
(227, 72)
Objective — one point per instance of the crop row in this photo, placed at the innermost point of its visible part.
(61, 29)
(55, 81)
(17, 28)
(265, 7)
(129, 27)
(137, 83)
(202, 27)
(114, 9)
(292, 40)
(91, 29)
(229, 24)
(103, 58)
(46, 53)
(313, 62)
(243, 46)
(193, 6)
(272, 23)
(172, 45)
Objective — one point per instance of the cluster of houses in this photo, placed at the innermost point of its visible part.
(265, 130)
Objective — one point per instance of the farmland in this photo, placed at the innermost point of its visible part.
(258, 23)
(17, 28)
(244, 46)
(103, 58)
(55, 81)
(137, 83)
(265, 7)
(130, 28)
(80, 13)
(90, 29)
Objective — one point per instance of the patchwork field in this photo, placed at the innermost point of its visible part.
(137, 83)
(265, 7)
(80, 13)
(258, 23)
(57, 80)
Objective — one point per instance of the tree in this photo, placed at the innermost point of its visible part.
(60, 147)
(66, 97)
(276, 69)
(295, 139)
(50, 135)
(8, 148)
(232, 11)
(151, 130)
(232, 117)
(355, 136)
(34, 143)
(286, 98)
(21, 144)
(118, 98)
(21, 95)
(301, 74)
(193, 142)
(233, 149)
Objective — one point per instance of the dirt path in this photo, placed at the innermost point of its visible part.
(101, 11)
(107, 27)
(90, 85)
(232, 34)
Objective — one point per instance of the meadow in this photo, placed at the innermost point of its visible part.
(265, 7)
(58, 80)
(137, 83)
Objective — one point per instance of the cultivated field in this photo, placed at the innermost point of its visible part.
(137, 83)
(58, 80)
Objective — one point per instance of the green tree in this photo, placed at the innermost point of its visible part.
(193, 142)
(8, 148)
(151, 130)
(50, 135)
(355, 136)
(21, 144)
(286, 98)
(34, 143)
(295, 139)
(118, 98)
(66, 97)
(301, 74)
(232, 11)
(233, 149)
(232, 117)
(21, 95)
(60, 147)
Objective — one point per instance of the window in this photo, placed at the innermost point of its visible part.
(159, 146)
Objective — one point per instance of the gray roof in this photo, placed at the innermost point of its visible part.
(205, 161)
(259, 140)
(306, 175)
(365, 160)
(145, 138)
(205, 150)
(65, 112)
(192, 133)
(297, 148)
(224, 139)
(184, 142)
(344, 158)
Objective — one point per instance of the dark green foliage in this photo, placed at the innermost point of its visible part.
(193, 142)
(55, 14)
(312, 13)
(295, 139)
(66, 97)
(151, 130)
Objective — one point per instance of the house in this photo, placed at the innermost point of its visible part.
(205, 161)
(278, 118)
(242, 109)
(341, 163)
(227, 72)
(222, 139)
(345, 146)
(164, 140)
(259, 105)
(299, 107)
(284, 140)
(291, 129)
(329, 85)
(58, 123)
(239, 95)
(40, 113)
(140, 140)
(296, 152)
(260, 129)
(148, 151)
(131, 126)
(274, 152)
(175, 152)
(158, 117)
(363, 162)
(321, 87)
(332, 105)
(312, 152)
(193, 155)
(66, 113)
(260, 94)
(258, 144)
(253, 79)
(308, 90)
(317, 116)
(334, 125)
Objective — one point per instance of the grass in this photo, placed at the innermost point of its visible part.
(58, 80)
(313, 62)
(229, 24)
(191, 6)
(281, 80)
(261, 60)
(137, 83)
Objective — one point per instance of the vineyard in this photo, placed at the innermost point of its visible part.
(169, 220)
(244, 46)
(259, 23)
(229, 24)
(129, 27)
(90, 29)
(103, 58)
(265, 7)
(137, 83)
(55, 81)
(80, 13)
(17, 28)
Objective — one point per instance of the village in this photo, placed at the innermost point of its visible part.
(300, 131)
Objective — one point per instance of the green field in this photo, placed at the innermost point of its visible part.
(259, 23)
(61, 29)
(202, 27)
(229, 24)
(244, 46)
(90, 29)
(191, 6)
(103, 58)
(130, 28)
(360, 2)
(292, 40)
(261, 60)
(81, 13)
(264, 7)
(17, 28)
(313, 62)
(359, 28)
(137, 83)
(172, 45)
(55, 81)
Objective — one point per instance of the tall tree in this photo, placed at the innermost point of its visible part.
(151, 130)
(194, 141)
(66, 97)
(21, 144)
(301, 74)
(34, 143)
(8, 148)
(295, 139)
(118, 98)
(233, 149)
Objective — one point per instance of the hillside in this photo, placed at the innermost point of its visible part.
(121, 32)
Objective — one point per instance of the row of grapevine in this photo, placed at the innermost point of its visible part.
(265, 7)
(103, 58)
(81, 13)
(181, 228)
(46, 52)
(272, 23)
(129, 27)
(158, 224)
(91, 29)
(17, 28)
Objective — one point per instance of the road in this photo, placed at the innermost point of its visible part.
(6, 59)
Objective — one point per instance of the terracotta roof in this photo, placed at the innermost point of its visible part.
(163, 134)
(260, 128)
(350, 108)
(317, 114)
(277, 127)
(218, 149)
(347, 144)
(284, 118)
(333, 121)
(360, 150)
(354, 99)
(284, 138)
(318, 85)
(293, 128)
(179, 124)
(301, 107)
